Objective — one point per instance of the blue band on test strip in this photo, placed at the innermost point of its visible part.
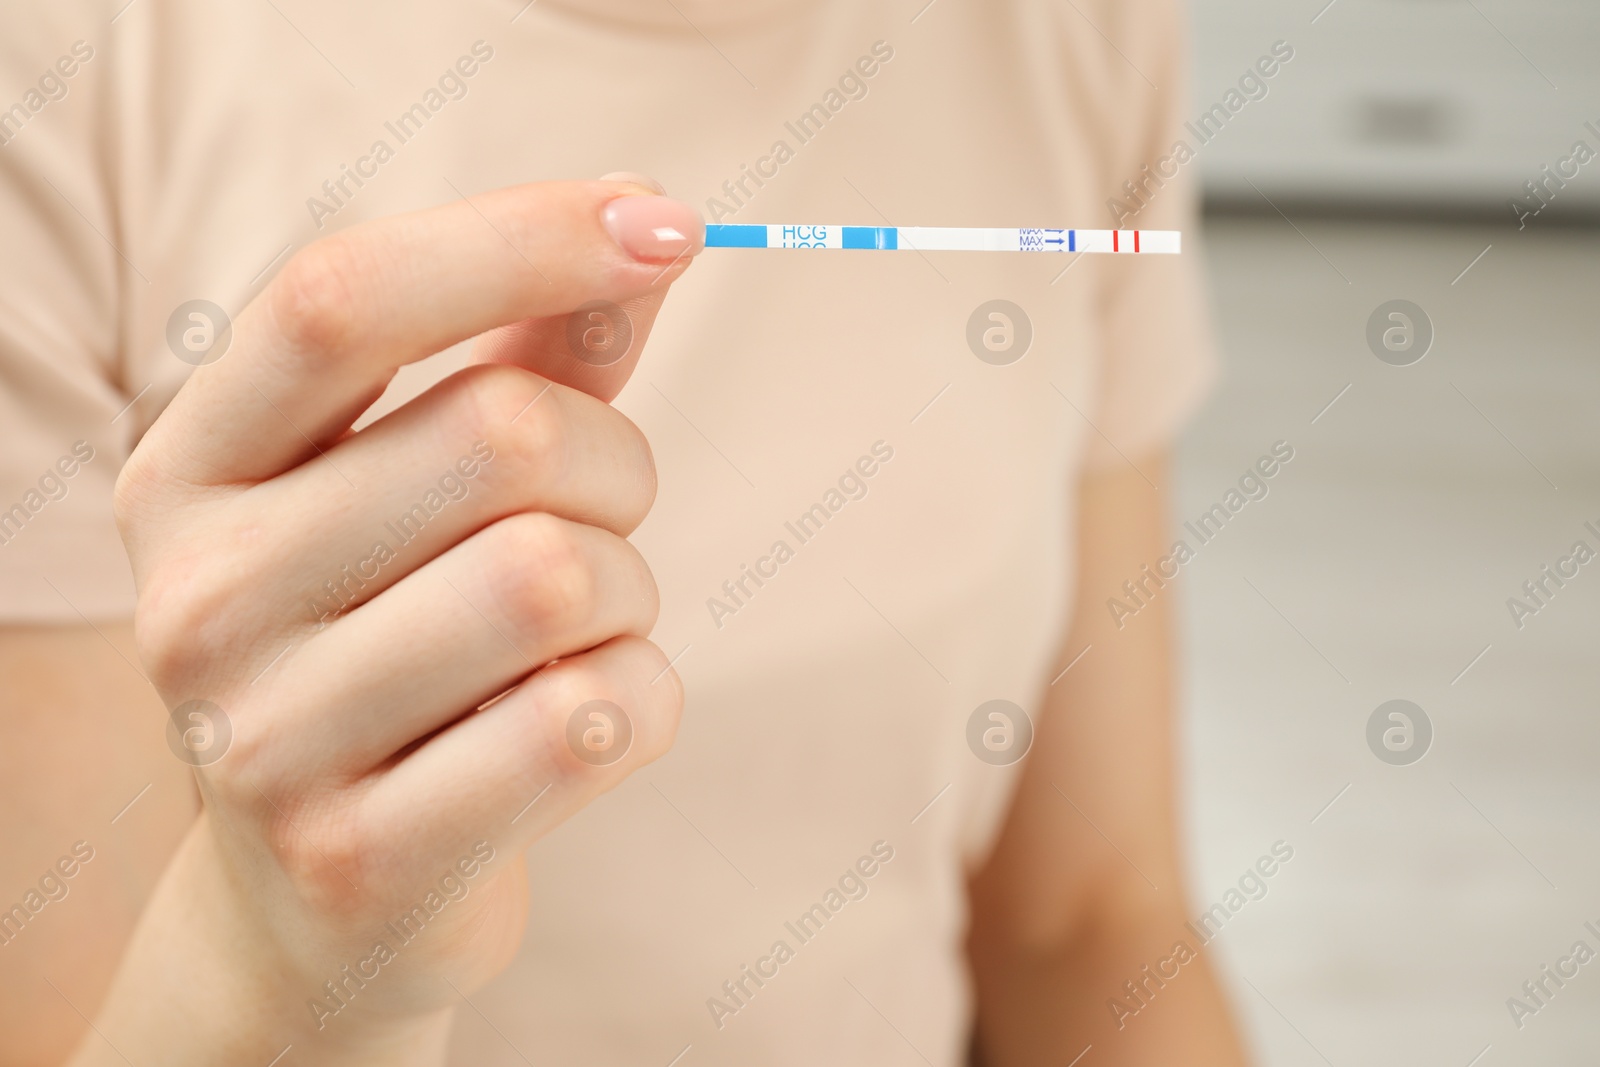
(881, 237)
(723, 235)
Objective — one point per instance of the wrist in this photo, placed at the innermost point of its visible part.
(199, 985)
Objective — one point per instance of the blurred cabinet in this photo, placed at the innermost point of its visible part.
(1447, 103)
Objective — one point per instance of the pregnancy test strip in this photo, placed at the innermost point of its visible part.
(943, 239)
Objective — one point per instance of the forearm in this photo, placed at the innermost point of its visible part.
(196, 987)
(1044, 1005)
(136, 955)
(1084, 889)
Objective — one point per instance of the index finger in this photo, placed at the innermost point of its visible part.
(321, 343)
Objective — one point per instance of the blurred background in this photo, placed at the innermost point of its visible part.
(1431, 881)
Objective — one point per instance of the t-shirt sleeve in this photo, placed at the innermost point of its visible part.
(1158, 361)
(61, 441)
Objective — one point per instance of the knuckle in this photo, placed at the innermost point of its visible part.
(323, 851)
(250, 763)
(536, 218)
(135, 485)
(541, 440)
(180, 630)
(518, 413)
(550, 586)
(491, 394)
(312, 298)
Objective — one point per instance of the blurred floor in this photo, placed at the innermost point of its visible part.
(1379, 567)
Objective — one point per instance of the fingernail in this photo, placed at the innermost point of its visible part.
(654, 229)
(635, 178)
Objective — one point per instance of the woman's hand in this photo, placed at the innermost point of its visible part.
(330, 611)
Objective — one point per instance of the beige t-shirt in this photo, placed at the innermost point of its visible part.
(185, 156)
